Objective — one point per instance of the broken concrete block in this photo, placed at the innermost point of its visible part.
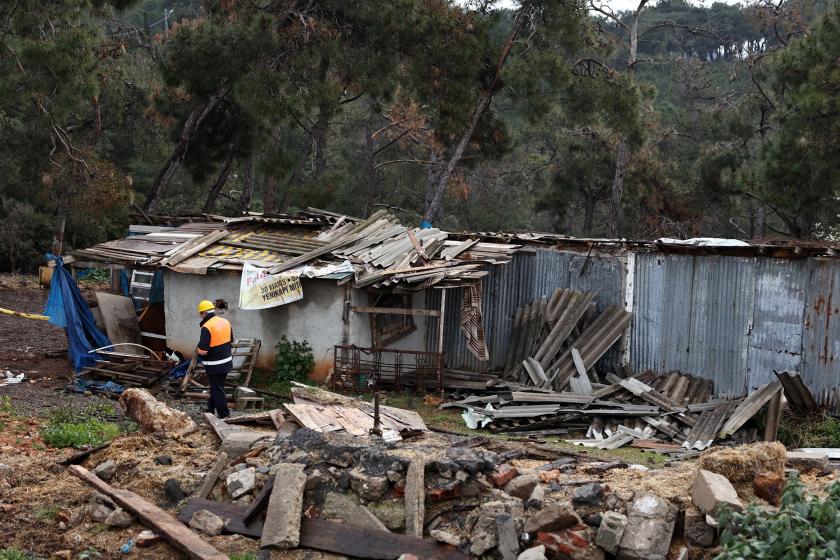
(508, 541)
(504, 474)
(555, 516)
(711, 490)
(119, 518)
(535, 553)
(610, 531)
(536, 499)
(154, 416)
(697, 532)
(589, 494)
(807, 461)
(650, 526)
(147, 538)
(285, 506)
(522, 486)
(575, 544)
(344, 507)
(241, 482)
(769, 487)
(100, 513)
(368, 487)
(106, 469)
(207, 522)
(445, 537)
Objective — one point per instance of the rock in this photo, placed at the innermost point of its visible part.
(769, 487)
(554, 517)
(407, 557)
(504, 474)
(285, 506)
(535, 553)
(317, 478)
(172, 489)
(536, 499)
(154, 416)
(548, 476)
(207, 522)
(610, 531)
(506, 533)
(573, 544)
(119, 518)
(650, 526)
(371, 488)
(241, 482)
(100, 498)
(711, 490)
(100, 513)
(163, 460)
(807, 461)
(391, 513)
(522, 486)
(106, 470)
(697, 532)
(63, 554)
(344, 507)
(445, 537)
(593, 520)
(147, 538)
(589, 494)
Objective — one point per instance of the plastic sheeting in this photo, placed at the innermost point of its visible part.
(66, 309)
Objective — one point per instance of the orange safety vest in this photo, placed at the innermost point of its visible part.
(220, 331)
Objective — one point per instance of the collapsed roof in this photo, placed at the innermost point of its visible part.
(383, 253)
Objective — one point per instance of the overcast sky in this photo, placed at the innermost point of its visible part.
(620, 4)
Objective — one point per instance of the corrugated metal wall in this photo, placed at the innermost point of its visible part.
(529, 276)
(730, 319)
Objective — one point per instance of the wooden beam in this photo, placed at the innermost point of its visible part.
(162, 522)
(213, 476)
(415, 496)
(396, 311)
(774, 411)
(417, 246)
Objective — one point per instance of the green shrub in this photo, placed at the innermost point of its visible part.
(803, 528)
(293, 361)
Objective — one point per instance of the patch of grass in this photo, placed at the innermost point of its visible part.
(91, 432)
(244, 556)
(46, 513)
(6, 406)
(816, 430)
(13, 554)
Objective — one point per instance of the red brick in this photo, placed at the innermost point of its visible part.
(504, 474)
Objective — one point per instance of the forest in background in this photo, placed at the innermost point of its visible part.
(670, 120)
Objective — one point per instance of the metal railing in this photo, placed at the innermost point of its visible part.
(368, 369)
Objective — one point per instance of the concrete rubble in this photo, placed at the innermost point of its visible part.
(154, 416)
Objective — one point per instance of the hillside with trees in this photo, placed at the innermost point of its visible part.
(672, 119)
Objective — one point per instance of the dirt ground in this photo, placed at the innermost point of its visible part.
(37, 495)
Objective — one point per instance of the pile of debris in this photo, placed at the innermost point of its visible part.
(435, 496)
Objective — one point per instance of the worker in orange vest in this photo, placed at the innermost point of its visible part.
(214, 349)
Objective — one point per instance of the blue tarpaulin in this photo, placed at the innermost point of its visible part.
(66, 309)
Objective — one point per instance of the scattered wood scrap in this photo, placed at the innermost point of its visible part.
(164, 524)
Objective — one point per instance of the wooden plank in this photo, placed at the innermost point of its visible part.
(396, 311)
(798, 395)
(212, 476)
(417, 247)
(163, 523)
(120, 321)
(232, 513)
(415, 498)
(260, 501)
(774, 412)
(340, 538)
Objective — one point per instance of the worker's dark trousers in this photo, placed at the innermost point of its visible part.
(218, 403)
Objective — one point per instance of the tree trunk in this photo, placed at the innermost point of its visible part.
(434, 205)
(60, 221)
(247, 185)
(217, 186)
(269, 187)
(187, 133)
(433, 209)
(589, 202)
(614, 214)
(370, 158)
